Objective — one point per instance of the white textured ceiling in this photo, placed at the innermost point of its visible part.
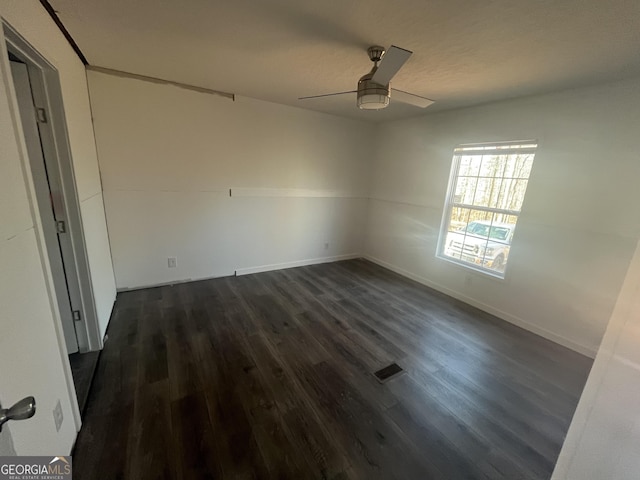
(465, 51)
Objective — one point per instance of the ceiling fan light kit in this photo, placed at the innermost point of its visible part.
(372, 95)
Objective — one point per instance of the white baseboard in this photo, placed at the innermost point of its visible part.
(247, 271)
(549, 335)
(297, 263)
(173, 282)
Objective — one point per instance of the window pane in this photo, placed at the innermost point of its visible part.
(480, 216)
(492, 165)
(504, 218)
(502, 161)
(465, 189)
(459, 218)
(494, 193)
(519, 165)
(525, 165)
(469, 165)
(517, 195)
(511, 194)
(487, 189)
(510, 167)
(455, 238)
(508, 184)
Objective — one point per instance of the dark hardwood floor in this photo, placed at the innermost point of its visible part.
(271, 376)
(83, 366)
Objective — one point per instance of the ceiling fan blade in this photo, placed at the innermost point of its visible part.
(391, 62)
(326, 95)
(410, 98)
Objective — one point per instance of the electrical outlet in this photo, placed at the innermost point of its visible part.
(57, 416)
(326, 246)
(172, 262)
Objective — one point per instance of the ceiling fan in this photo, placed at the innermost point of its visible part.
(374, 90)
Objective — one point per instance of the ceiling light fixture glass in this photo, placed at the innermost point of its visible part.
(372, 95)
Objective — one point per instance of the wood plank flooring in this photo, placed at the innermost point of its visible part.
(271, 376)
(83, 366)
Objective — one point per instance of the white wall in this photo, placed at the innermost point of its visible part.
(579, 223)
(33, 23)
(604, 435)
(169, 157)
(29, 353)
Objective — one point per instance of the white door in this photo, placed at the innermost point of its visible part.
(49, 198)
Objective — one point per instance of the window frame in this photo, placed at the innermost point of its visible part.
(502, 147)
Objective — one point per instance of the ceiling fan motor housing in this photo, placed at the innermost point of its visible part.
(372, 95)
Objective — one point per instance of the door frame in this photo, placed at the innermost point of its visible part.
(50, 202)
(59, 151)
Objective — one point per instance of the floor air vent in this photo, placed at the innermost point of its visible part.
(388, 372)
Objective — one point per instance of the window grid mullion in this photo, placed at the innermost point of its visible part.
(503, 211)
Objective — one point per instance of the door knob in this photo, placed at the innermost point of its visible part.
(25, 408)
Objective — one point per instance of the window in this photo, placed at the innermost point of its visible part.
(486, 191)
